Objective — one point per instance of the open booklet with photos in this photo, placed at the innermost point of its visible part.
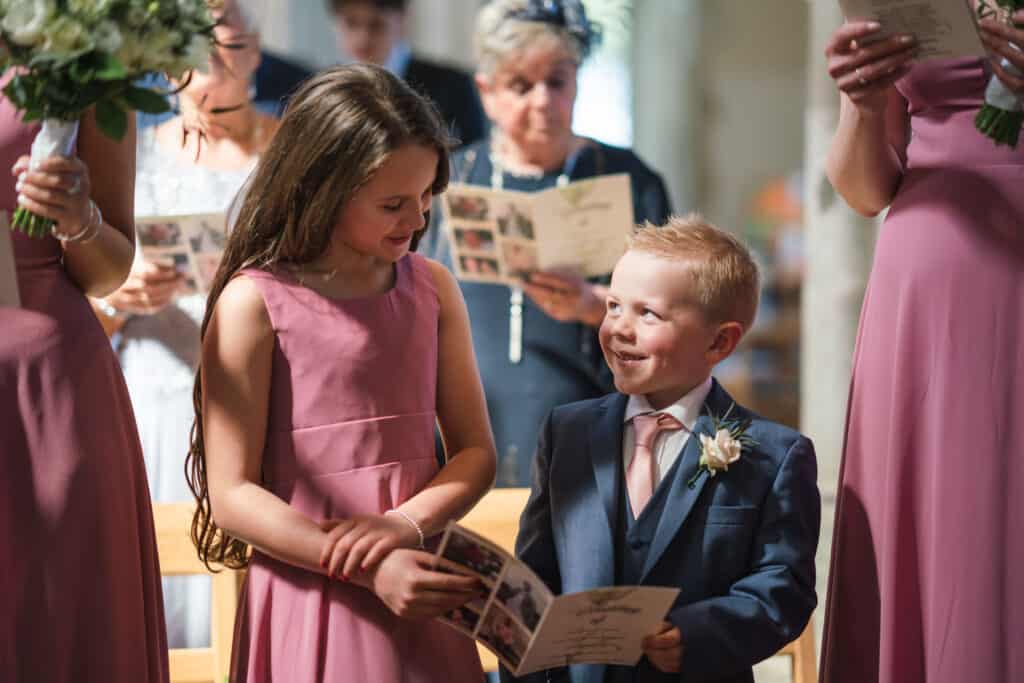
(501, 236)
(530, 629)
(8, 275)
(193, 244)
(944, 29)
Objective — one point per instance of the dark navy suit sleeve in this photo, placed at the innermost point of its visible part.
(535, 543)
(770, 606)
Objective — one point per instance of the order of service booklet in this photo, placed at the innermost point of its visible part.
(193, 244)
(530, 629)
(501, 236)
(944, 28)
(8, 275)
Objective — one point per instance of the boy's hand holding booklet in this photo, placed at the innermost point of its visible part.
(501, 236)
(529, 629)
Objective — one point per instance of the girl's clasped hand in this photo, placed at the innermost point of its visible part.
(376, 552)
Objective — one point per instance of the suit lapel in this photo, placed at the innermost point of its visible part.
(681, 498)
(605, 454)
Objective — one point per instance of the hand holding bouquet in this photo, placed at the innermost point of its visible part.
(1002, 115)
(69, 55)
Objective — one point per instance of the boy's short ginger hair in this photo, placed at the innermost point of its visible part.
(726, 281)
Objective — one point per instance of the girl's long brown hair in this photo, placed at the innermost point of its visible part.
(338, 129)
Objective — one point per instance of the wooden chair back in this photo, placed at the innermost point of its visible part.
(178, 557)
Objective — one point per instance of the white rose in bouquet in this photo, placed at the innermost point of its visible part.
(25, 20)
(92, 8)
(65, 37)
(131, 52)
(107, 37)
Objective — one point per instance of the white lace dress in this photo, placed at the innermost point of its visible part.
(159, 354)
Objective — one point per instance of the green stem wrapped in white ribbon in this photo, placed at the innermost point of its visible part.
(55, 138)
(1002, 116)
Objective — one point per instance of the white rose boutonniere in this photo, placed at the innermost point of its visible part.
(724, 448)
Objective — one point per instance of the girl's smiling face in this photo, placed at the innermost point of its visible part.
(383, 215)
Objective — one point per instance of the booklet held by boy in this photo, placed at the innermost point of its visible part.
(192, 244)
(530, 629)
(501, 236)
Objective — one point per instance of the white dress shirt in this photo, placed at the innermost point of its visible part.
(668, 444)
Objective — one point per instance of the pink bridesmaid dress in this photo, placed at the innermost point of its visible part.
(926, 584)
(80, 597)
(350, 431)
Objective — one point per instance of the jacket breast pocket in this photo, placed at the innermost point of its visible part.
(728, 533)
(731, 515)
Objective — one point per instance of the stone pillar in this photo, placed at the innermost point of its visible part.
(667, 93)
(839, 245)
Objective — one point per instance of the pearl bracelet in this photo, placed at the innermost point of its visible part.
(86, 234)
(423, 540)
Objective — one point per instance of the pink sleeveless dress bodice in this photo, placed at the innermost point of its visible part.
(925, 584)
(80, 597)
(350, 431)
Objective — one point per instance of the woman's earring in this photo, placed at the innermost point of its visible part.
(252, 92)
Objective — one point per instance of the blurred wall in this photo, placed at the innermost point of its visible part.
(753, 69)
(302, 29)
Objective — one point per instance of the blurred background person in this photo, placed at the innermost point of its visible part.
(195, 162)
(373, 31)
(528, 57)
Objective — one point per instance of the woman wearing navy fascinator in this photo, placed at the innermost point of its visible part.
(537, 344)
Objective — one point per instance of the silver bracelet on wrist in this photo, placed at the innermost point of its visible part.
(107, 309)
(410, 520)
(86, 234)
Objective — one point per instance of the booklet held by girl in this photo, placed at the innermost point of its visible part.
(530, 629)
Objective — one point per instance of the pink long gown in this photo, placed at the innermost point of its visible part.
(926, 583)
(80, 597)
(350, 431)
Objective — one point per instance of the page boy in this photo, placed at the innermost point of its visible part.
(636, 488)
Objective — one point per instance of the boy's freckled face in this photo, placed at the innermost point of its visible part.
(654, 339)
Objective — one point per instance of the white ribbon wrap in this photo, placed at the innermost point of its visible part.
(55, 138)
(998, 95)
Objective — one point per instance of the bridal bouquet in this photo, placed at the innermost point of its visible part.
(69, 55)
(1002, 115)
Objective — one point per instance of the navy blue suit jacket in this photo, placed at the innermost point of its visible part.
(740, 546)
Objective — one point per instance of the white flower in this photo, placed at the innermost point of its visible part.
(93, 8)
(25, 20)
(107, 37)
(720, 452)
(65, 37)
(131, 52)
(196, 57)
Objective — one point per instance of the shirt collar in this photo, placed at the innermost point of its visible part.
(398, 61)
(686, 409)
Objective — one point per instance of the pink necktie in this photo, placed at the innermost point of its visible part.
(640, 474)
